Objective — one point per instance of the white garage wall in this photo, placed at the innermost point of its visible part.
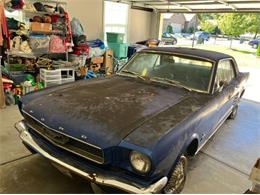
(155, 25)
(139, 26)
(90, 14)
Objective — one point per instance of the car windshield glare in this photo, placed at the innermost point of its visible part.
(183, 71)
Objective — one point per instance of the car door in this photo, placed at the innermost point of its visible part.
(225, 89)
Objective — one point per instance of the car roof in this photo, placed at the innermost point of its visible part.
(199, 53)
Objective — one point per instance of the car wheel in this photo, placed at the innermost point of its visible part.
(177, 177)
(255, 46)
(233, 113)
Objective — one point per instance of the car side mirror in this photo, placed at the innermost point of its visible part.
(222, 84)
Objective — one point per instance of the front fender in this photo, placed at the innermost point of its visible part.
(166, 165)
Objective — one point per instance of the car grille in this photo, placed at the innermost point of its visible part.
(65, 142)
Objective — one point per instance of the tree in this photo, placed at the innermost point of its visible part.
(169, 29)
(208, 26)
(207, 16)
(191, 30)
(232, 24)
(253, 23)
(258, 50)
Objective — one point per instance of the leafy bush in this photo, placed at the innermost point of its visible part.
(191, 30)
(258, 50)
(208, 26)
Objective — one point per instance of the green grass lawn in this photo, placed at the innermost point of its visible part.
(243, 57)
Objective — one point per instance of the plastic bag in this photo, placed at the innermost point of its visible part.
(76, 27)
(57, 45)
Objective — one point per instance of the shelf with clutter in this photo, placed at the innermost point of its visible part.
(37, 36)
(43, 41)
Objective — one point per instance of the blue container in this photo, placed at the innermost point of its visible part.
(115, 37)
(120, 49)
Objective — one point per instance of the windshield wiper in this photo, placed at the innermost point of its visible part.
(173, 82)
(134, 73)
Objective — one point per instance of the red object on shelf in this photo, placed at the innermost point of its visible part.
(4, 33)
(81, 49)
(57, 45)
(7, 83)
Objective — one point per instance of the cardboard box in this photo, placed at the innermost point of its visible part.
(95, 67)
(41, 27)
(97, 60)
(83, 70)
(108, 62)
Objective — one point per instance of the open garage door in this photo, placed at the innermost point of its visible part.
(197, 6)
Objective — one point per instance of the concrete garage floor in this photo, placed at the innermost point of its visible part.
(222, 166)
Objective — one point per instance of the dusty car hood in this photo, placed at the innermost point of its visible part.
(103, 110)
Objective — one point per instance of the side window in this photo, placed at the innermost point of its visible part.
(225, 73)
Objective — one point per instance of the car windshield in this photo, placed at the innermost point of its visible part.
(186, 72)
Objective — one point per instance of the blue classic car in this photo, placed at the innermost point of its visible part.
(254, 43)
(134, 130)
(200, 35)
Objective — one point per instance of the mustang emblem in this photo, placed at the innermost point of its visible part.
(61, 139)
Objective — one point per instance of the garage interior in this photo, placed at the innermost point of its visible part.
(223, 165)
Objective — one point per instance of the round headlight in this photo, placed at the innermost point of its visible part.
(140, 162)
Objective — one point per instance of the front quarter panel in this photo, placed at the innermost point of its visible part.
(167, 134)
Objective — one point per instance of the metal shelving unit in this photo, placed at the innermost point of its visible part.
(30, 14)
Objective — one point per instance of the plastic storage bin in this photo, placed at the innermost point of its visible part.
(120, 49)
(56, 77)
(27, 89)
(39, 43)
(67, 75)
(17, 67)
(50, 74)
(115, 37)
(18, 77)
(52, 83)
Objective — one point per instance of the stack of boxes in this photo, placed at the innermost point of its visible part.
(115, 42)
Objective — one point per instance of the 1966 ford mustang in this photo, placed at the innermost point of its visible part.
(134, 130)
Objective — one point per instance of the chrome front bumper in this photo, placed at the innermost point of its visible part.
(93, 177)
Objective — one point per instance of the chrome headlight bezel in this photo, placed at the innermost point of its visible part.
(140, 162)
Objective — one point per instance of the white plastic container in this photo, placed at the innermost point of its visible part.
(52, 83)
(48, 75)
(57, 77)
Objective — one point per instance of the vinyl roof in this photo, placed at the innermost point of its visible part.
(197, 6)
(199, 53)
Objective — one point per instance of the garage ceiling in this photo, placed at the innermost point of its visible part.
(197, 6)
